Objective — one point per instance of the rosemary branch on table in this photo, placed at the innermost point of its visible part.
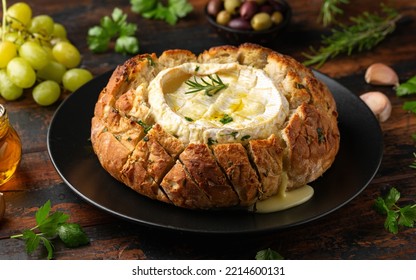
(210, 88)
(367, 31)
(330, 9)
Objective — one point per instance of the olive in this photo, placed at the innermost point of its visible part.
(223, 17)
(232, 6)
(240, 23)
(261, 21)
(214, 7)
(248, 9)
(277, 17)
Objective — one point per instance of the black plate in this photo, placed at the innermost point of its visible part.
(356, 164)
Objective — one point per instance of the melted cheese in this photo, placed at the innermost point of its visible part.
(285, 200)
(251, 101)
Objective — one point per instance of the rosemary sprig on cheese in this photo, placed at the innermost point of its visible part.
(210, 87)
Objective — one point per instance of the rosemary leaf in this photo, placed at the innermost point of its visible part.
(367, 31)
(210, 87)
(329, 9)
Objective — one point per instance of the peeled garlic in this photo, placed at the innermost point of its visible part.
(381, 75)
(378, 103)
(2, 206)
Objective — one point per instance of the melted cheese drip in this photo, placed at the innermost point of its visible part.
(285, 200)
(251, 99)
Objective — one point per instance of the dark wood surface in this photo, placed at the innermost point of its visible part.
(353, 232)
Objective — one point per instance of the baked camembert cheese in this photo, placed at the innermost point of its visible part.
(248, 105)
(232, 127)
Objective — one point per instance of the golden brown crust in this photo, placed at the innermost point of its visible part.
(201, 165)
(235, 163)
(136, 150)
(267, 156)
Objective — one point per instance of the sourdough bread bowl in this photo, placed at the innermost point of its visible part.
(225, 128)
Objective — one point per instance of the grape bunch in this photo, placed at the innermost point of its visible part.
(36, 53)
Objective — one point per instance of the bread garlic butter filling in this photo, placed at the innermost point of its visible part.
(217, 103)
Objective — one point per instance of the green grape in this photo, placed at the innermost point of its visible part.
(52, 71)
(59, 31)
(48, 51)
(46, 93)
(19, 15)
(21, 73)
(34, 54)
(8, 90)
(8, 50)
(67, 54)
(42, 24)
(74, 78)
(14, 37)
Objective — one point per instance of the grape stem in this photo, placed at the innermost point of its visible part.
(3, 32)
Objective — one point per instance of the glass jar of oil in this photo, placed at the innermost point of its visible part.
(10, 148)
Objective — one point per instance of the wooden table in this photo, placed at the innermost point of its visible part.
(353, 232)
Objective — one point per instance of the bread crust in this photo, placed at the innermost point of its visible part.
(139, 152)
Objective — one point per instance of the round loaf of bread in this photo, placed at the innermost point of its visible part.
(228, 127)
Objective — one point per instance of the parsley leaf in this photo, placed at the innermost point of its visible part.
(155, 9)
(395, 215)
(72, 235)
(116, 26)
(50, 226)
(407, 88)
(268, 254)
(410, 106)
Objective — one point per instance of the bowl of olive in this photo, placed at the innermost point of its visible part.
(255, 21)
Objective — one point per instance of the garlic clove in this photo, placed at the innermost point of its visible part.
(381, 75)
(2, 206)
(378, 103)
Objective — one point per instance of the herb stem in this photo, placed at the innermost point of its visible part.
(3, 33)
(367, 31)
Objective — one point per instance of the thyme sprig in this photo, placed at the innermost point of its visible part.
(368, 30)
(210, 87)
(330, 9)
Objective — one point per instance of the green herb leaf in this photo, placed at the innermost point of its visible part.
(407, 88)
(211, 87)
(126, 45)
(366, 31)
(380, 206)
(391, 222)
(395, 215)
(268, 254)
(49, 247)
(116, 26)
(32, 241)
(407, 216)
(330, 9)
(49, 227)
(72, 235)
(156, 9)
(43, 212)
(226, 119)
(410, 106)
(146, 127)
(142, 6)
